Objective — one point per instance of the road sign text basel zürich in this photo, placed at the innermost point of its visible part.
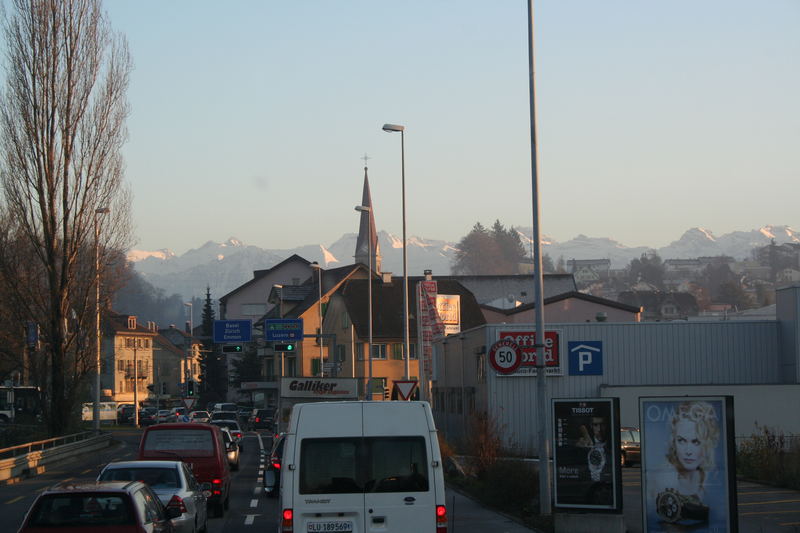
(283, 329)
(232, 331)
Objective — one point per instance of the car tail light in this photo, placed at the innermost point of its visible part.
(287, 522)
(237, 434)
(217, 486)
(276, 465)
(441, 519)
(177, 503)
(258, 420)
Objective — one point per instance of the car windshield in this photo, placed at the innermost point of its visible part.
(81, 509)
(199, 414)
(233, 426)
(157, 478)
(224, 415)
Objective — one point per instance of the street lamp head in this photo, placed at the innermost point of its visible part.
(393, 127)
(363, 208)
(315, 265)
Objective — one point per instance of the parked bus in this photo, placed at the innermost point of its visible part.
(20, 405)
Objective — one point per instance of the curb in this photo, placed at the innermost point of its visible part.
(471, 498)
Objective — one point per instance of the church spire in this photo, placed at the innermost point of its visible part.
(366, 229)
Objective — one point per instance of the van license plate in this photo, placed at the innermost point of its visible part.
(331, 525)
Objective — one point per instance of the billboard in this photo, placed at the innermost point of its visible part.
(586, 453)
(688, 464)
(327, 388)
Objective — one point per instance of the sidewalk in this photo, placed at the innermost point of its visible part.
(468, 516)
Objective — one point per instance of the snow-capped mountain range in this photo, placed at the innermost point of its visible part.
(225, 266)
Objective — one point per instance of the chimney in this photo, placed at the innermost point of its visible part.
(428, 274)
(386, 277)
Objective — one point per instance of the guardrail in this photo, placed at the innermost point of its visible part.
(32, 458)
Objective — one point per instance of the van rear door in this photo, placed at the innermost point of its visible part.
(400, 493)
(330, 483)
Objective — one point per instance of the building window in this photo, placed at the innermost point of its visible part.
(129, 342)
(412, 349)
(121, 365)
(290, 367)
(360, 351)
(131, 322)
(379, 351)
(315, 366)
(340, 353)
(397, 351)
(345, 321)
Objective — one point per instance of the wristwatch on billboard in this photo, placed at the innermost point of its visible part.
(672, 506)
(597, 460)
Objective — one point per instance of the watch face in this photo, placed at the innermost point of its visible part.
(596, 458)
(668, 506)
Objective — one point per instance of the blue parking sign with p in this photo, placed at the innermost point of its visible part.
(585, 358)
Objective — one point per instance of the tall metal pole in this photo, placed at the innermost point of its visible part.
(369, 307)
(135, 386)
(98, 337)
(96, 407)
(541, 380)
(406, 347)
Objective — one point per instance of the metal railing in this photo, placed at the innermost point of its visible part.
(40, 445)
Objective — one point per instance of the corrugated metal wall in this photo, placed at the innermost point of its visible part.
(660, 353)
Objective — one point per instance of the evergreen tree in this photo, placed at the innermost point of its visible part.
(489, 252)
(648, 268)
(247, 367)
(214, 378)
(547, 264)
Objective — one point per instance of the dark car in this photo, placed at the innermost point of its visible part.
(125, 414)
(272, 473)
(261, 419)
(108, 507)
(147, 416)
(630, 446)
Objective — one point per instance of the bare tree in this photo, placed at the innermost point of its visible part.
(62, 122)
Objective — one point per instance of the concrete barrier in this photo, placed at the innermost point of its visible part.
(31, 459)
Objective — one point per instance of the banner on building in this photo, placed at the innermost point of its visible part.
(688, 468)
(448, 308)
(526, 340)
(428, 324)
(586, 453)
(327, 388)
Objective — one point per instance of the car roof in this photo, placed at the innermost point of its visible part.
(143, 464)
(92, 486)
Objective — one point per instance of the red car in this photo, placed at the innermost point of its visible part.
(124, 507)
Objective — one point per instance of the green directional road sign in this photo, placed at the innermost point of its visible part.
(232, 348)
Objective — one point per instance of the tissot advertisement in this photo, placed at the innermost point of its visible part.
(688, 470)
(586, 453)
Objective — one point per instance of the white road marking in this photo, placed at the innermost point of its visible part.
(257, 491)
(248, 519)
(253, 503)
(261, 473)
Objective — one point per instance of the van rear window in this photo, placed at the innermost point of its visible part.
(357, 465)
(180, 442)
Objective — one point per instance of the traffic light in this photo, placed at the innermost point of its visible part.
(190, 388)
(287, 347)
(232, 348)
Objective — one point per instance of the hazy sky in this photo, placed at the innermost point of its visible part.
(250, 118)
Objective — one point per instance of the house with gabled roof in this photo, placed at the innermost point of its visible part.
(567, 307)
(127, 355)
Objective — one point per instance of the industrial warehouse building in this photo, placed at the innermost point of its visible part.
(756, 362)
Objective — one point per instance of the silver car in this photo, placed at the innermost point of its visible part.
(231, 447)
(173, 483)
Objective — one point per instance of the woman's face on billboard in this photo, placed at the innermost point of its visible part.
(688, 446)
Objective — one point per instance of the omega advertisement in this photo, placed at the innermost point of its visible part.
(688, 465)
(586, 453)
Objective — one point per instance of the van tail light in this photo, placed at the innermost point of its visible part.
(287, 521)
(441, 519)
(258, 420)
(276, 465)
(216, 486)
(177, 503)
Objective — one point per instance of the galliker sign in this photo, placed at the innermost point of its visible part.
(335, 388)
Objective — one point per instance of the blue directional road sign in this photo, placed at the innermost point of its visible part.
(232, 331)
(585, 358)
(283, 329)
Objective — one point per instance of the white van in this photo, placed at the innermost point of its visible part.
(362, 467)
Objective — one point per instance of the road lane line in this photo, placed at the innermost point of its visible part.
(260, 473)
(754, 513)
(15, 500)
(86, 471)
(790, 524)
(764, 503)
(253, 503)
(248, 519)
(257, 491)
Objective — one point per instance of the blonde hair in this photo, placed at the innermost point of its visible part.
(707, 427)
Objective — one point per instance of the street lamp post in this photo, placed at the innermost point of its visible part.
(186, 373)
(98, 338)
(316, 266)
(366, 209)
(391, 128)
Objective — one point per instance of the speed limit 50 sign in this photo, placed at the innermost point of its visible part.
(505, 356)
